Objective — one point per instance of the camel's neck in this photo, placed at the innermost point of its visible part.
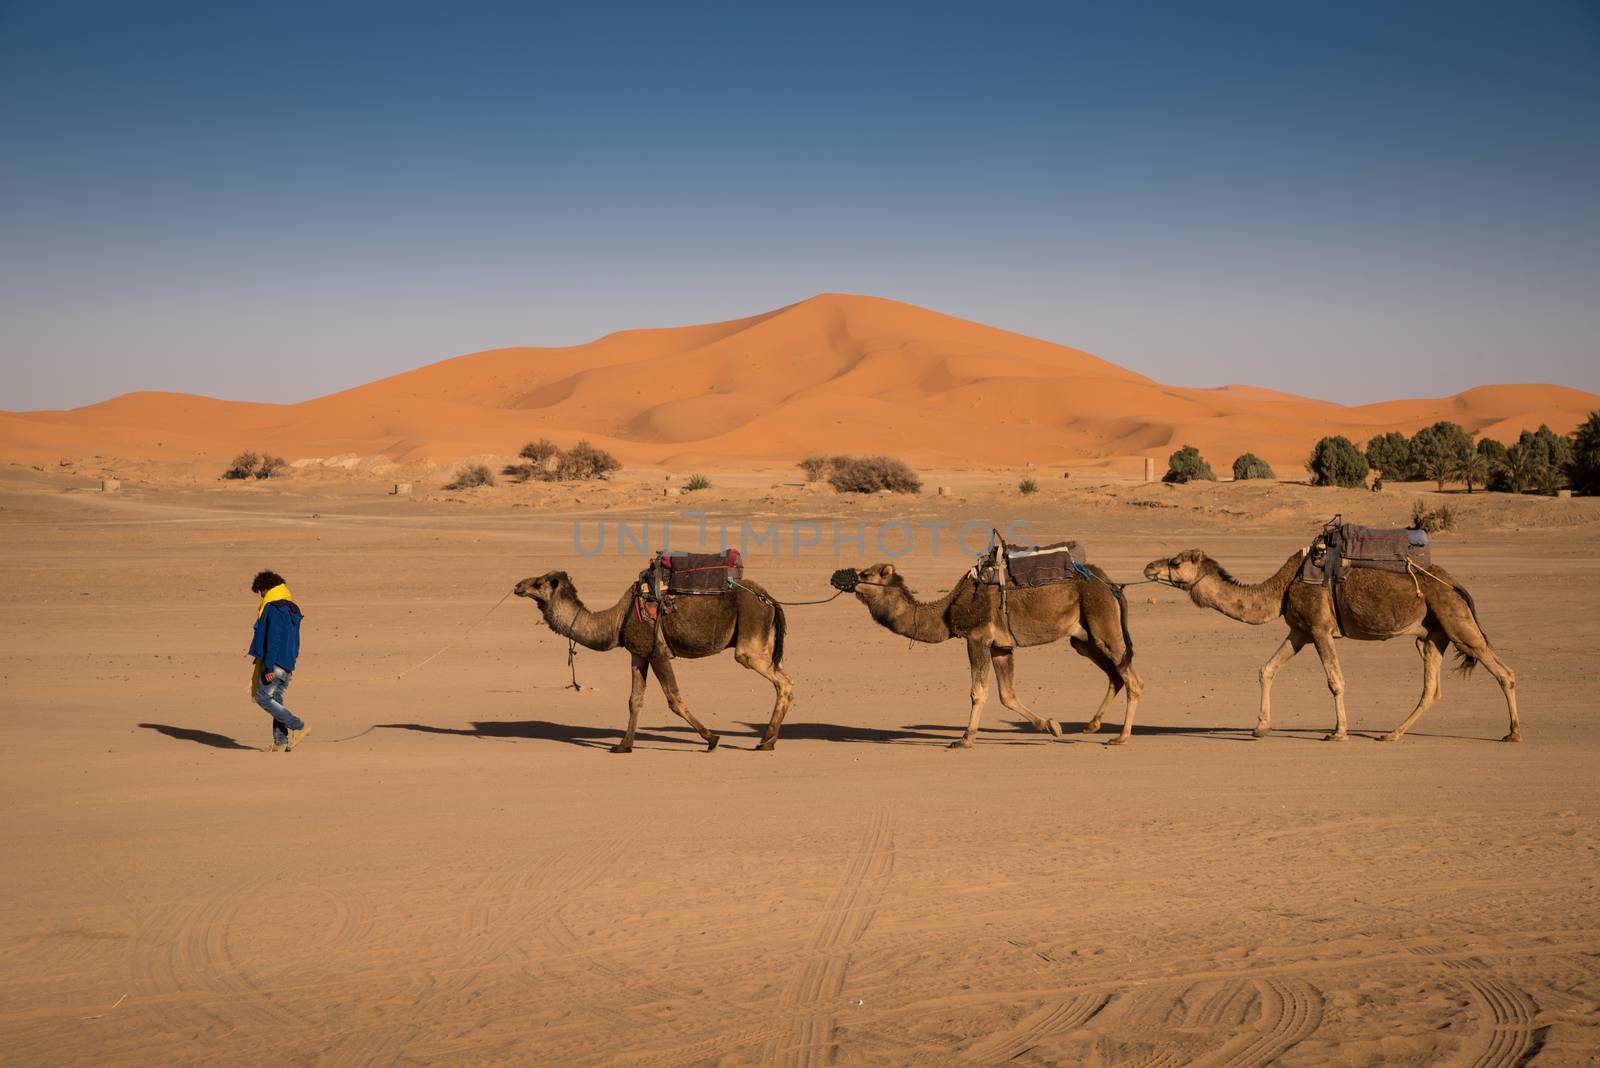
(1260, 603)
(593, 630)
(923, 621)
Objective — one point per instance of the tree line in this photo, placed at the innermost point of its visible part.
(1539, 461)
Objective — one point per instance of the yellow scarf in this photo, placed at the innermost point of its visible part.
(280, 592)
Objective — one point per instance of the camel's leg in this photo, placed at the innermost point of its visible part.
(1291, 645)
(1112, 648)
(1004, 676)
(1330, 665)
(760, 662)
(1113, 681)
(1432, 647)
(640, 677)
(669, 683)
(1505, 677)
(978, 657)
(1135, 687)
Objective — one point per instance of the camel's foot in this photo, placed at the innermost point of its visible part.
(1392, 736)
(1118, 740)
(713, 741)
(622, 747)
(1261, 731)
(767, 745)
(1091, 728)
(1514, 736)
(960, 743)
(1053, 727)
(1336, 736)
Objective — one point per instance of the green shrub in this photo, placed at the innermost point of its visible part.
(1187, 465)
(1390, 455)
(470, 475)
(871, 474)
(1552, 456)
(1027, 486)
(696, 482)
(1249, 465)
(1337, 462)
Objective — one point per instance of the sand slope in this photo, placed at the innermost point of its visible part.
(835, 372)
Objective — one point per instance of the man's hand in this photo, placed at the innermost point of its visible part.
(267, 676)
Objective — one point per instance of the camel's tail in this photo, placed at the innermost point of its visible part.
(1127, 635)
(780, 626)
(1465, 661)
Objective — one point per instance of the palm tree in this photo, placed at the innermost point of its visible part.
(1521, 467)
(1474, 469)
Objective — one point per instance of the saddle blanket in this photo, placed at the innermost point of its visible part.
(1032, 565)
(691, 573)
(1342, 546)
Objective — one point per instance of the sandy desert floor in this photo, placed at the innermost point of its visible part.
(454, 870)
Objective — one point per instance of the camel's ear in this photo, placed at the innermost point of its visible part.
(560, 578)
(888, 570)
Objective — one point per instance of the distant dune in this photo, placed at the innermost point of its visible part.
(836, 372)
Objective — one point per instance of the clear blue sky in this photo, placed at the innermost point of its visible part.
(279, 200)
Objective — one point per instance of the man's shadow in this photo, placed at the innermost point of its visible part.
(190, 734)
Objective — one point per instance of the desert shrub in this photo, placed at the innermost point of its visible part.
(470, 475)
(1390, 455)
(1584, 467)
(1027, 486)
(244, 466)
(871, 474)
(583, 462)
(1187, 465)
(1432, 519)
(1337, 462)
(1439, 451)
(696, 482)
(270, 465)
(540, 452)
(819, 467)
(1249, 465)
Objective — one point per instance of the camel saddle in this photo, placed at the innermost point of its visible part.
(1342, 547)
(690, 573)
(1005, 564)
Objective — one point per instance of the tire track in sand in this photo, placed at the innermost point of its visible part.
(1059, 1019)
(1507, 1036)
(1291, 1010)
(811, 996)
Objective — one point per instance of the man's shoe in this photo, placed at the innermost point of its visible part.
(295, 737)
(276, 747)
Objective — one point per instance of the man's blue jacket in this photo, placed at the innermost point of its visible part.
(277, 638)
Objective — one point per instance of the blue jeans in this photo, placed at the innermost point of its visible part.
(269, 695)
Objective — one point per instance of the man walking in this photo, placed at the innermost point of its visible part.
(275, 647)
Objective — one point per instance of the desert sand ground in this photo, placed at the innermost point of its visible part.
(454, 870)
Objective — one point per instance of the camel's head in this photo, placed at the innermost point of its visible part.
(540, 590)
(1182, 571)
(851, 580)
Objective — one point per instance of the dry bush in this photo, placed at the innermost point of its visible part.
(819, 467)
(244, 466)
(543, 461)
(470, 475)
(1432, 520)
(872, 474)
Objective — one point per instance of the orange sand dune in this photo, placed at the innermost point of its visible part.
(836, 372)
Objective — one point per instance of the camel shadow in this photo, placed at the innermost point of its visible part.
(538, 730)
(207, 738)
(838, 732)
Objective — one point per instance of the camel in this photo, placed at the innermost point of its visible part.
(745, 619)
(1375, 606)
(1093, 616)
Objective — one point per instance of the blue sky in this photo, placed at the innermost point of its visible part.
(277, 201)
